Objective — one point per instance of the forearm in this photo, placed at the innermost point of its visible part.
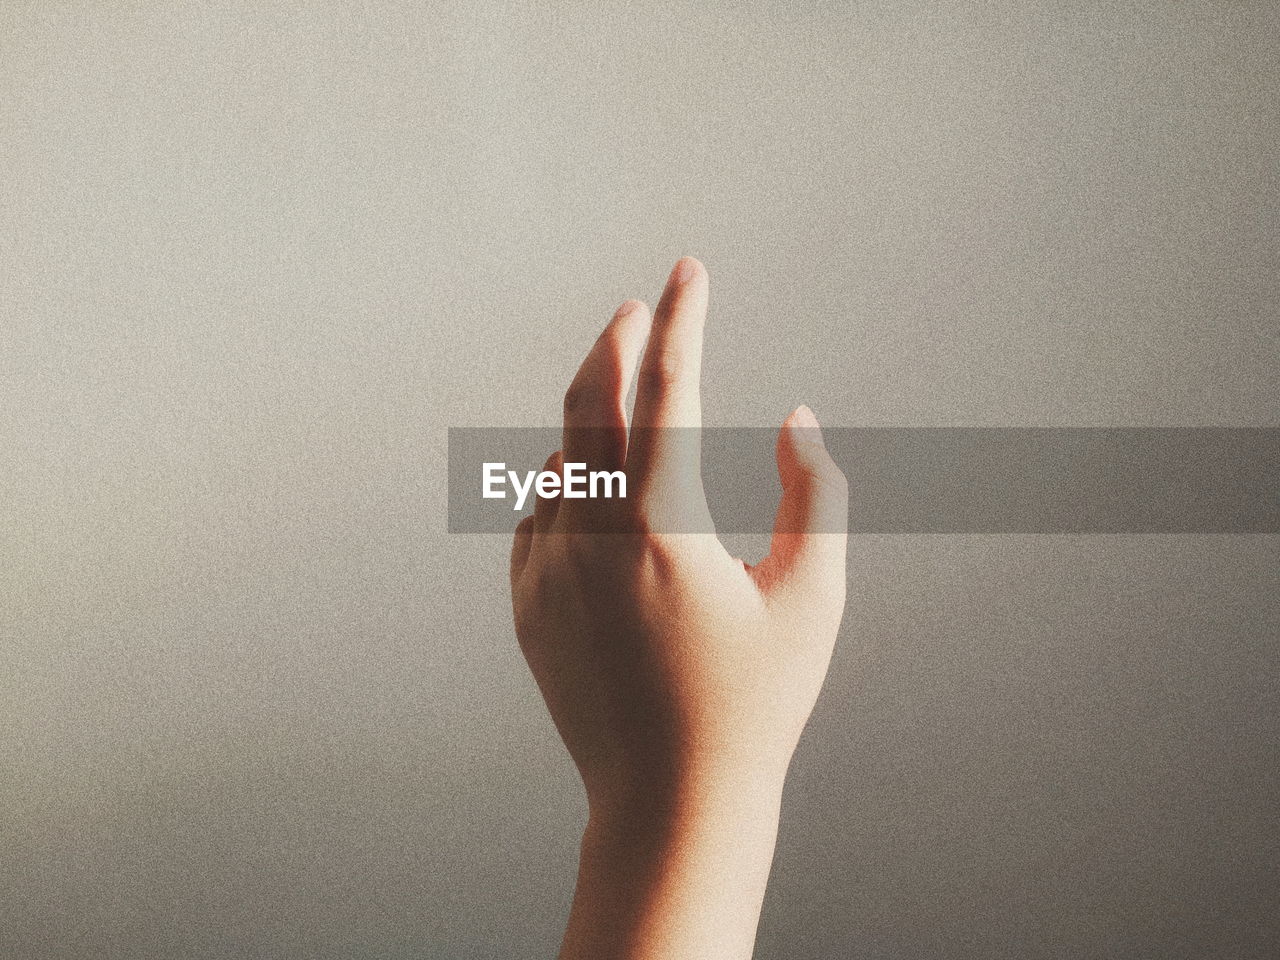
(675, 880)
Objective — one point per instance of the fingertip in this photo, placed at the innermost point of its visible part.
(803, 456)
(687, 269)
(684, 299)
(630, 308)
(803, 425)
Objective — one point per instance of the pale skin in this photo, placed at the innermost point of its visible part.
(679, 677)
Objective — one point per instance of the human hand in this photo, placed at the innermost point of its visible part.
(679, 677)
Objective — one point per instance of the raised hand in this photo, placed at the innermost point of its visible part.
(679, 677)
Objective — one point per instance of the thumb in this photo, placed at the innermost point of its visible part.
(810, 531)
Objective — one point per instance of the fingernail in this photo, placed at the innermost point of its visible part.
(805, 420)
(627, 309)
(685, 270)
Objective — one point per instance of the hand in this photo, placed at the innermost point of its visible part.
(679, 677)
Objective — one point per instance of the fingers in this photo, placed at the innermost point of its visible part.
(595, 416)
(810, 530)
(544, 514)
(667, 394)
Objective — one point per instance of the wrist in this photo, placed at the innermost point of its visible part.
(674, 873)
(701, 814)
(659, 803)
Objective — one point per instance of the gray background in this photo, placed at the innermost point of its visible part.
(255, 258)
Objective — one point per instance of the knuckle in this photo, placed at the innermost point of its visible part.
(660, 554)
(661, 372)
(580, 554)
(581, 395)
